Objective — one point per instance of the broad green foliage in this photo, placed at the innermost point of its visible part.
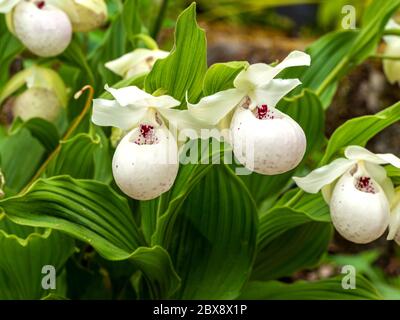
(182, 72)
(214, 234)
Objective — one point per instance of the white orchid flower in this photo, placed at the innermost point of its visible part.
(358, 192)
(264, 139)
(7, 5)
(137, 62)
(34, 22)
(85, 15)
(145, 163)
(391, 67)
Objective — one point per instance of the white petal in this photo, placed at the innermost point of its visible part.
(212, 109)
(129, 95)
(379, 174)
(261, 74)
(392, 25)
(320, 177)
(110, 113)
(135, 62)
(133, 96)
(273, 92)
(360, 153)
(7, 5)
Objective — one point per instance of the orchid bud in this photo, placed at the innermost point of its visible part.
(266, 140)
(44, 97)
(37, 103)
(85, 15)
(135, 63)
(42, 28)
(359, 207)
(145, 163)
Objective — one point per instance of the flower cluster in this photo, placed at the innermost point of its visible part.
(145, 162)
(361, 197)
(45, 26)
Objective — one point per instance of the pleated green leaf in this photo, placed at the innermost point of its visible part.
(304, 229)
(328, 289)
(24, 252)
(43, 131)
(359, 130)
(184, 69)
(220, 76)
(78, 150)
(20, 156)
(212, 237)
(92, 212)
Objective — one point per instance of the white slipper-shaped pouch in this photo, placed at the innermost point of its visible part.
(359, 207)
(266, 140)
(44, 29)
(145, 163)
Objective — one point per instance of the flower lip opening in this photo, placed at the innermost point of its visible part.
(145, 135)
(264, 112)
(40, 4)
(362, 182)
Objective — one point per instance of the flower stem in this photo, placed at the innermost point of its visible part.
(66, 136)
(392, 32)
(160, 19)
(332, 76)
(295, 198)
(384, 57)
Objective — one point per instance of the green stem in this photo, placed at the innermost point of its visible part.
(160, 18)
(332, 76)
(67, 135)
(392, 32)
(295, 198)
(384, 57)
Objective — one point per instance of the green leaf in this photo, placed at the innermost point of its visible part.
(359, 130)
(115, 43)
(20, 156)
(220, 76)
(78, 150)
(9, 48)
(329, 289)
(45, 132)
(304, 229)
(184, 69)
(212, 237)
(76, 57)
(24, 252)
(94, 213)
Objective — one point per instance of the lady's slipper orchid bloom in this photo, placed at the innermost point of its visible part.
(44, 97)
(145, 163)
(391, 67)
(35, 22)
(85, 15)
(138, 62)
(264, 139)
(358, 192)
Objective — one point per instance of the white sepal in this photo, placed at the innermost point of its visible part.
(324, 176)
(7, 5)
(135, 63)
